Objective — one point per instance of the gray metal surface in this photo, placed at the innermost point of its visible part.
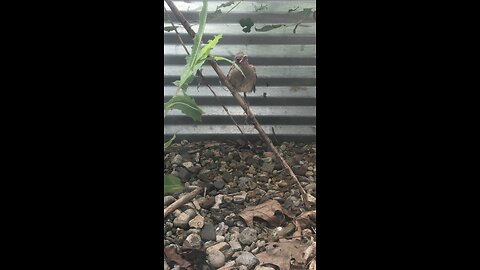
(286, 87)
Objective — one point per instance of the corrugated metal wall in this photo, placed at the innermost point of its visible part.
(285, 62)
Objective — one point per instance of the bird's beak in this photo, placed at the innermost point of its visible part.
(243, 57)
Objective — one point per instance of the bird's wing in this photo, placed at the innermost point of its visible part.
(230, 71)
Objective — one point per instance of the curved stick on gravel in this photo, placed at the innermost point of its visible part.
(169, 209)
(241, 102)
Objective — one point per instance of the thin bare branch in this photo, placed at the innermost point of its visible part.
(169, 209)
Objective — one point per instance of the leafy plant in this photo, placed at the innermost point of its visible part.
(185, 103)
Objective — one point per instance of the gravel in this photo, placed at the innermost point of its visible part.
(235, 176)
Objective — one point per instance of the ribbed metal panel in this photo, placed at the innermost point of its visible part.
(285, 62)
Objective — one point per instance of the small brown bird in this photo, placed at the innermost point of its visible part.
(242, 84)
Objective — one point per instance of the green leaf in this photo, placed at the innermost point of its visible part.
(246, 24)
(214, 14)
(167, 143)
(217, 58)
(269, 27)
(260, 8)
(226, 4)
(207, 48)
(293, 9)
(198, 37)
(186, 104)
(172, 184)
(169, 28)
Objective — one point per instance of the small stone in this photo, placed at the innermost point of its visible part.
(207, 203)
(197, 222)
(216, 258)
(219, 184)
(182, 220)
(193, 241)
(167, 200)
(184, 142)
(187, 164)
(240, 198)
(261, 243)
(222, 228)
(247, 259)
(222, 246)
(283, 147)
(220, 238)
(235, 245)
(268, 167)
(309, 173)
(283, 183)
(177, 159)
(311, 186)
(264, 268)
(208, 232)
(248, 236)
(268, 154)
(218, 201)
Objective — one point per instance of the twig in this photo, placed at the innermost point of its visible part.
(242, 104)
(274, 135)
(169, 209)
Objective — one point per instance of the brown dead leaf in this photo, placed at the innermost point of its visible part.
(172, 255)
(282, 253)
(304, 221)
(265, 211)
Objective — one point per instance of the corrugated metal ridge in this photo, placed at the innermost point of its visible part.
(285, 99)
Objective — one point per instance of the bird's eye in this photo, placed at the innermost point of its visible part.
(238, 59)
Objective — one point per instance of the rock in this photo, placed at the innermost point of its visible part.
(217, 215)
(248, 236)
(222, 246)
(247, 259)
(218, 201)
(264, 268)
(193, 241)
(216, 258)
(235, 245)
(222, 228)
(206, 175)
(309, 173)
(187, 164)
(197, 222)
(268, 167)
(208, 232)
(219, 184)
(182, 220)
(177, 159)
(220, 238)
(311, 186)
(183, 174)
(207, 203)
(167, 200)
(240, 198)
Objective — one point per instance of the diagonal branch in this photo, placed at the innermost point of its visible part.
(242, 104)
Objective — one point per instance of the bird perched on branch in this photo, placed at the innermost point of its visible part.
(242, 84)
